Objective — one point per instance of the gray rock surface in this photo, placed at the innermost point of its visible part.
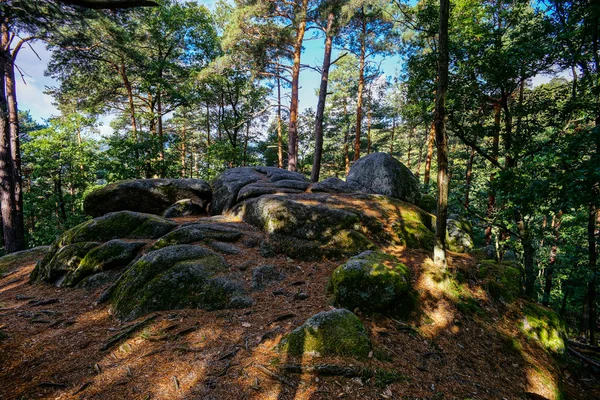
(238, 184)
(195, 232)
(151, 196)
(183, 208)
(331, 185)
(380, 173)
(265, 275)
(460, 235)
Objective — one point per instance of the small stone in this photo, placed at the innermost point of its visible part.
(265, 275)
(301, 296)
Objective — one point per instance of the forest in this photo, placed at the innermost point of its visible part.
(494, 106)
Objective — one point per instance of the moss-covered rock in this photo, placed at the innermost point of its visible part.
(112, 254)
(544, 325)
(19, 258)
(175, 277)
(328, 333)
(64, 261)
(502, 280)
(117, 225)
(197, 232)
(460, 235)
(152, 196)
(265, 275)
(372, 281)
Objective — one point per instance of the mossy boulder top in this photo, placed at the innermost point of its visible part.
(329, 333)
(238, 184)
(311, 226)
(372, 281)
(107, 242)
(545, 326)
(380, 173)
(175, 277)
(460, 235)
(152, 196)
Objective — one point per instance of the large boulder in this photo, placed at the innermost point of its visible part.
(238, 184)
(175, 277)
(328, 333)
(312, 226)
(151, 196)
(374, 282)
(60, 264)
(460, 235)
(380, 173)
(306, 231)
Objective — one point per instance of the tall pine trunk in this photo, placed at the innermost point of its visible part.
(469, 177)
(316, 169)
(279, 128)
(15, 152)
(293, 126)
(7, 194)
(361, 86)
(439, 249)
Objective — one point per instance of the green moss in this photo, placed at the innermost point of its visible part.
(502, 280)
(197, 232)
(63, 261)
(371, 281)
(172, 278)
(329, 333)
(112, 254)
(545, 326)
(384, 377)
(414, 228)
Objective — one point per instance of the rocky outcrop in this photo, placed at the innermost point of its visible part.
(197, 232)
(62, 264)
(175, 277)
(328, 333)
(373, 282)
(151, 196)
(238, 184)
(380, 173)
(183, 208)
(313, 226)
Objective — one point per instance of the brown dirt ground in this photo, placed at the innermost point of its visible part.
(52, 351)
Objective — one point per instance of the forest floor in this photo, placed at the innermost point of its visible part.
(53, 340)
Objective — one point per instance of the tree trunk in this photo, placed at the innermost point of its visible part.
(346, 137)
(161, 150)
(369, 127)
(293, 126)
(469, 177)
(279, 133)
(15, 153)
(7, 197)
(246, 139)
(393, 134)
(491, 205)
(429, 155)
(183, 151)
(361, 86)
(439, 250)
(316, 169)
(549, 271)
(592, 260)
(129, 89)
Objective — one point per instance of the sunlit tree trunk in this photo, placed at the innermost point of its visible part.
(429, 157)
(316, 169)
(279, 128)
(361, 86)
(293, 124)
(439, 249)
